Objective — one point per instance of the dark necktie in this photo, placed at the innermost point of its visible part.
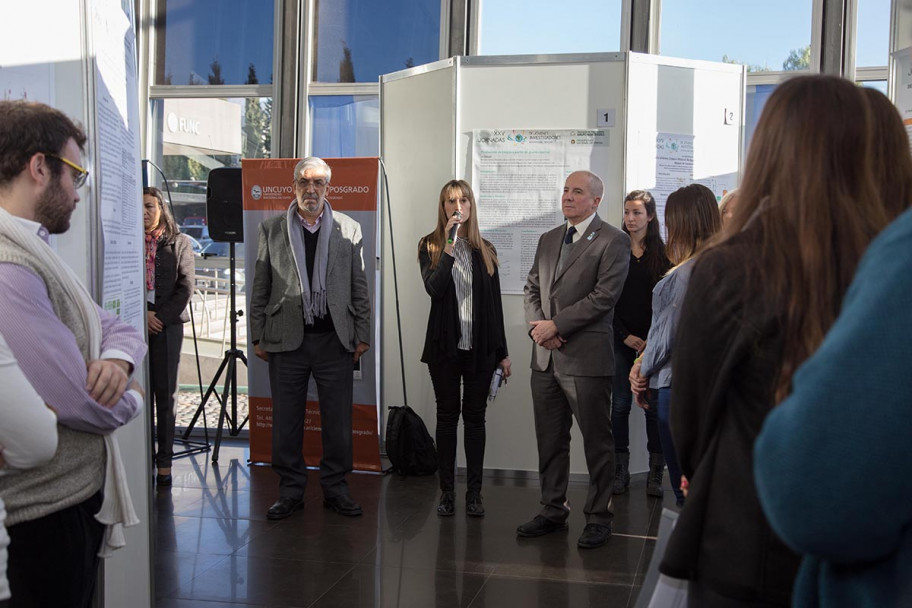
(568, 239)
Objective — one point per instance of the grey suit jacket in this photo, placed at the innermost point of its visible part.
(276, 311)
(580, 300)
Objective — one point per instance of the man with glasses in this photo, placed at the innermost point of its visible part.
(53, 328)
(310, 316)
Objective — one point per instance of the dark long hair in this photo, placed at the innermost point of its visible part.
(435, 242)
(692, 219)
(167, 219)
(890, 156)
(653, 245)
(810, 197)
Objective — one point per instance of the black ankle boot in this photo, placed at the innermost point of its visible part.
(447, 504)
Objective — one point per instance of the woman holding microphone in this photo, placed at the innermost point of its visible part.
(465, 339)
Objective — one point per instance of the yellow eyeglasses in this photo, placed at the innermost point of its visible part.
(81, 174)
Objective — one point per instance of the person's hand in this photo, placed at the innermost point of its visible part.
(685, 485)
(554, 343)
(360, 350)
(453, 221)
(155, 324)
(134, 386)
(259, 352)
(505, 365)
(642, 399)
(107, 380)
(542, 331)
(634, 342)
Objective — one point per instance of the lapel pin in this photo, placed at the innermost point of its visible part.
(591, 235)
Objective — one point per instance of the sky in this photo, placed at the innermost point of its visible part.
(760, 33)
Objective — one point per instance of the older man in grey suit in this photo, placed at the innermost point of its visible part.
(310, 315)
(576, 278)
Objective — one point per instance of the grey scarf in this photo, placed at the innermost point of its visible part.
(312, 296)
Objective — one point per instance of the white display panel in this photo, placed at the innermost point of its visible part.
(428, 116)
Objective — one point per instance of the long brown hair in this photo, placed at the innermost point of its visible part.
(810, 197)
(692, 218)
(436, 241)
(890, 156)
(653, 245)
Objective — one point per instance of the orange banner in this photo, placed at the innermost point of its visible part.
(268, 190)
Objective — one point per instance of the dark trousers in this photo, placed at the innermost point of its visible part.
(164, 360)
(622, 401)
(446, 378)
(671, 457)
(556, 400)
(322, 356)
(53, 561)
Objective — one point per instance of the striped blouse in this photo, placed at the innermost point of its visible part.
(462, 279)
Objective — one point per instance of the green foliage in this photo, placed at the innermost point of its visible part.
(798, 59)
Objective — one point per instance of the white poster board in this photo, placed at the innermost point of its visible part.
(902, 90)
(518, 176)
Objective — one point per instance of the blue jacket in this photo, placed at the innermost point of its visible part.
(832, 461)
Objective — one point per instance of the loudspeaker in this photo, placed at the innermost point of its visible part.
(224, 205)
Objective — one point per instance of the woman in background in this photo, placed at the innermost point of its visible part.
(727, 205)
(465, 339)
(759, 303)
(858, 548)
(632, 317)
(170, 280)
(28, 436)
(691, 218)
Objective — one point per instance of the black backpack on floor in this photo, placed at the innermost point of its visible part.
(408, 444)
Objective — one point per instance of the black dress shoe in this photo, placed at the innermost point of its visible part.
(474, 506)
(594, 535)
(342, 504)
(284, 507)
(540, 526)
(447, 504)
(163, 480)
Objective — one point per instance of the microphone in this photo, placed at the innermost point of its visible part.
(452, 237)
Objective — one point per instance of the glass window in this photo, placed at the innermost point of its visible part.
(766, 36)
(519, 27)
(359, 40)
(880, 85)
(345, 126)
(757, 96)
(872, 42)
(190, 137)
(214, 42)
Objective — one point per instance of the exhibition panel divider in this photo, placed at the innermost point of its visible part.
(515, 127)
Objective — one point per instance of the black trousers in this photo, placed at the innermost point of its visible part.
(324, 357)
(53, 561)
(164, 360)
(446, 378)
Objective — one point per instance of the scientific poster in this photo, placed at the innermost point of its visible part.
(116, 133)
(902, 93)
(518, 177)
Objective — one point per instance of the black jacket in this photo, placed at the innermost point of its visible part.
(175, 279)
(489, 342)
(727, 353)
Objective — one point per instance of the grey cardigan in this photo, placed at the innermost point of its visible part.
(667, 297)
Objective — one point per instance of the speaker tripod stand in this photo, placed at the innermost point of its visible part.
(229, 367)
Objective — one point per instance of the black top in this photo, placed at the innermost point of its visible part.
(726, 358)
(320, 324)
(489, 341)
(633, 311)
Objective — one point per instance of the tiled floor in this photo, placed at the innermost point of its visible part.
(215, 548)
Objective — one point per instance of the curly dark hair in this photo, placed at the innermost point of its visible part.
(28, 128)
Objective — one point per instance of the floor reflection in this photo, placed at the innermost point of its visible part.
(215, 548)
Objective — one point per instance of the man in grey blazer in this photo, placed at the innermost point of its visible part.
(577, 276)
(310, 315)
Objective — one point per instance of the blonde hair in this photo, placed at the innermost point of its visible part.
(435, 242)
